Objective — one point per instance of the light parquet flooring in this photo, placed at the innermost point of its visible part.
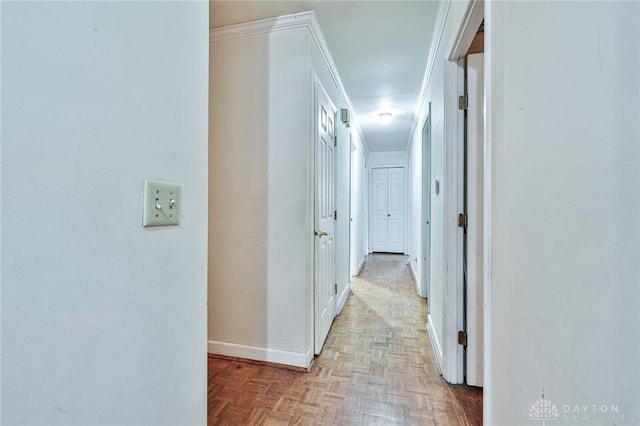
(377, 367)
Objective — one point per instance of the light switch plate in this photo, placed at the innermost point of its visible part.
(161, 204)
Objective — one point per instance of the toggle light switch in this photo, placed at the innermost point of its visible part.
(161, 204)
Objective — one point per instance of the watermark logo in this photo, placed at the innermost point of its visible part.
(543, 410)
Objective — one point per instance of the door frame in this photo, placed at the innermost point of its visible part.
(452, 352)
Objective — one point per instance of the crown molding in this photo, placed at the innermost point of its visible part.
(262, 26)
(287, 22)
(438, 31)
(320, 41)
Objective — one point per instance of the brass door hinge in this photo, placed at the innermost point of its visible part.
(462, 338)
(463, 220)
(463, 102)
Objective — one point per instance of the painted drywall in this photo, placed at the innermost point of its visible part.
(258, 202)
(565, 248)
(103, 322)
(262, 190)
(388, 159)
(435, 96)
(358, 210)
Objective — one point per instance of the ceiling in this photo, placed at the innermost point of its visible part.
(380, 49)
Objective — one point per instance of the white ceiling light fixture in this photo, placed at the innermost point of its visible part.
(385, 117)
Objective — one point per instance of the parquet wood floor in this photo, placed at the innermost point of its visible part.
(376, 367)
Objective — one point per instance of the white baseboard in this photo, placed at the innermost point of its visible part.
(294, 359)
(360, 265)
(415, 277)
(343, 298)
(435, 343)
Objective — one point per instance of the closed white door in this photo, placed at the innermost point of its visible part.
(387, 209)
(474, 234)
(324, 295)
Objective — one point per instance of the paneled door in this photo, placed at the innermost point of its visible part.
(388, 209)
(324, 235)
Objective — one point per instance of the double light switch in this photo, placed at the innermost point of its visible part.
(161, 204)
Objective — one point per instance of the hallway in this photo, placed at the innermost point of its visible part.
(376, 367)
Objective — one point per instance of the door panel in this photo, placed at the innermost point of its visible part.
(395, 189)
(474, 235)
(324, 294)
(379, 224)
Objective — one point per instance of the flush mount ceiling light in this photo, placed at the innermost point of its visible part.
(385, 114)
(385, 117)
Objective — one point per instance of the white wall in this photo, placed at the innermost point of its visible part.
(434, 94)
(388, 159)
(565, 203)
(259, 211)
(261, 207)
(102, 321)
(359, 213)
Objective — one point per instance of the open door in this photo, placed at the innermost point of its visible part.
(474, 233)
(324, 245)
(428, 190)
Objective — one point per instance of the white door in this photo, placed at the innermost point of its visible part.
(387, 209)
(379, 210)
(324, 234)
(353, 197)
(428, 190)
(474, 201)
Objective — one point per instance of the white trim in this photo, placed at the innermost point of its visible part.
(438, 30)
(262, 26)
(360, 265)
(294, 359)
(488, 179)
(415, 278)
(473, 16)
(435, 343)
(343, 299)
